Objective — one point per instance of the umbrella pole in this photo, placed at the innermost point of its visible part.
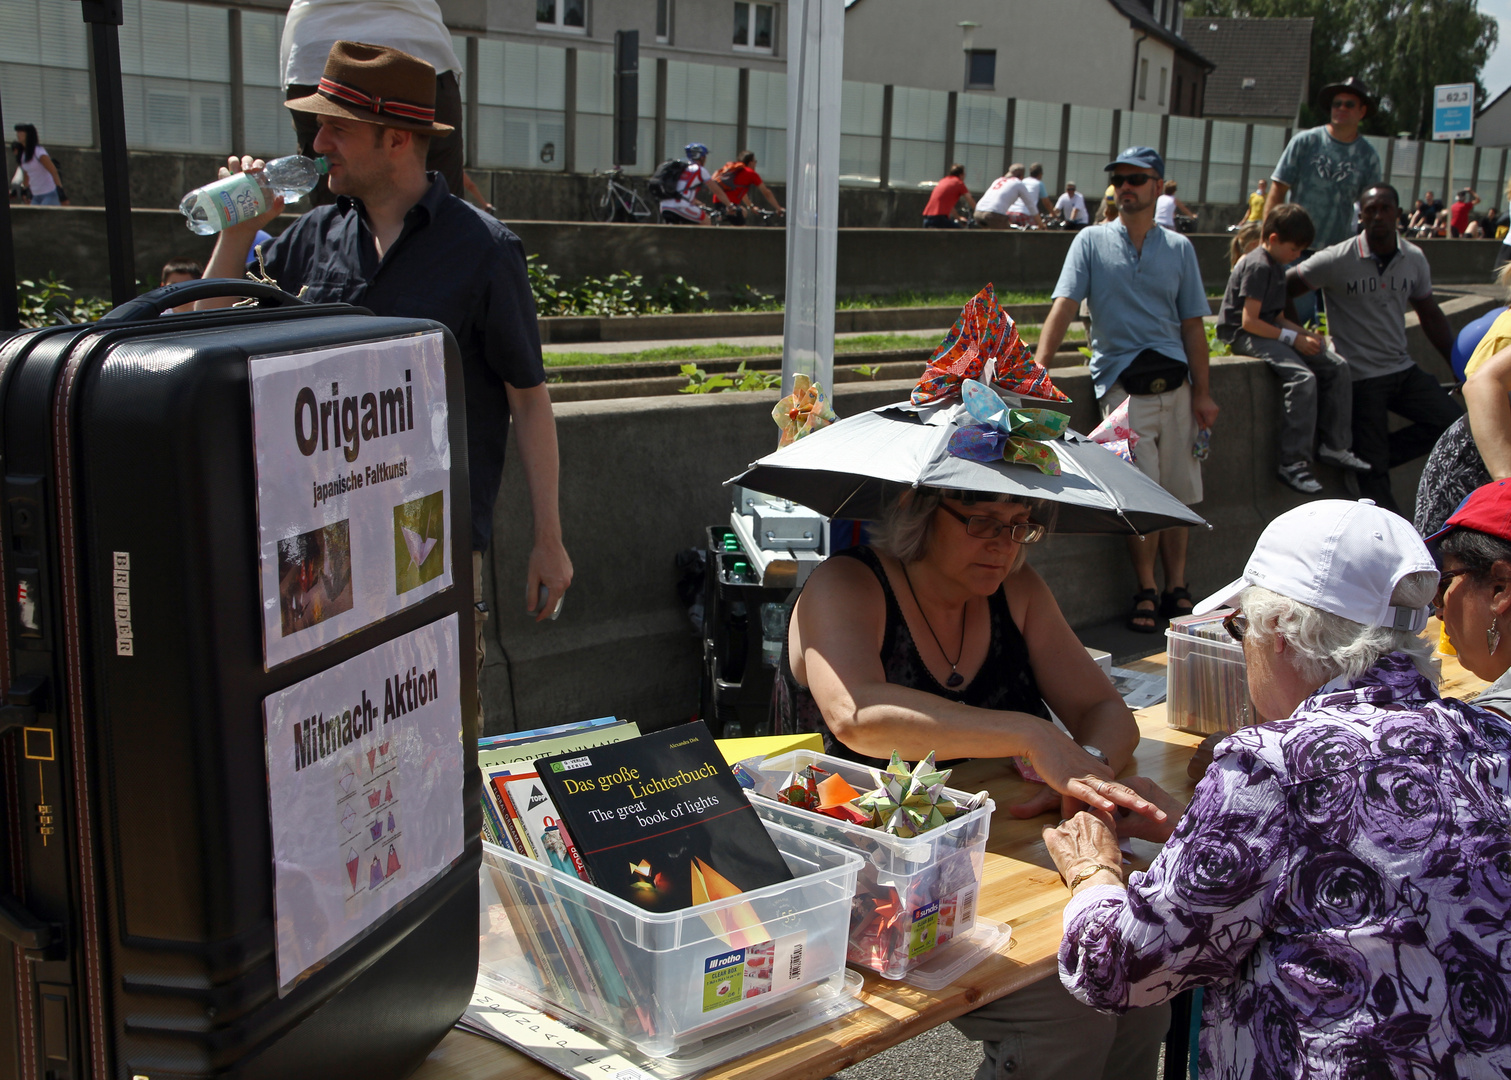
(10, 311)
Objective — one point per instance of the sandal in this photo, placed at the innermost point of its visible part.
(1176, 603)
(1144, 620)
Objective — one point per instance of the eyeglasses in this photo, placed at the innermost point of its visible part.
(983, 527)
(1237, 625)
(1118, 179)
(1445, 579)
(1347, 103)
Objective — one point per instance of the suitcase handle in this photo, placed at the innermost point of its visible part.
(152, 304)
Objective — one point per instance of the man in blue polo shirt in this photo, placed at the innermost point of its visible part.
(1148, 347)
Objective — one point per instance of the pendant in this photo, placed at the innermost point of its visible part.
(955, 679)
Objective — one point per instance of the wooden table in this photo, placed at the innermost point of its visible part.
(1020, 887)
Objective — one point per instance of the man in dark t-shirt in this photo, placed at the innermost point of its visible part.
(400, 244)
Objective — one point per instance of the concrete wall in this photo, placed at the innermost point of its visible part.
(624, 645)
(70, 242)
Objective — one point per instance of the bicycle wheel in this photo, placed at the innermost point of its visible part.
(606, 207)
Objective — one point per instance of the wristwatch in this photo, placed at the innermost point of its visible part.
(1094, 752)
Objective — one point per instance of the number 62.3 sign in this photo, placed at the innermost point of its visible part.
(1453, 111)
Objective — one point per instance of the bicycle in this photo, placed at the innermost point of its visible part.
(619, 201)
(719, 214)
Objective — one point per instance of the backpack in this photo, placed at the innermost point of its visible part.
(725, 171)
(663, 182)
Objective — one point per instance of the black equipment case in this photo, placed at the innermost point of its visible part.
(136, 863)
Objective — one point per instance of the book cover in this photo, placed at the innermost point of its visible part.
(495, 780)
(519, 738)
(541, 824)
(661, 821)
(577, 740)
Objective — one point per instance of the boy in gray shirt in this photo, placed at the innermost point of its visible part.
(1317, 393)
(1370, 281)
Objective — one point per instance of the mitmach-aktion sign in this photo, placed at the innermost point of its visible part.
(353, 475)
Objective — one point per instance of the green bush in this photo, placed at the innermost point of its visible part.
(49, 302)
(617, 294)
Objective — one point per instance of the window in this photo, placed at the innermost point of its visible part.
(1159, 12)
(1143, 80)
(1163, 74)
(755, 26)
(1175, 98)
(663, 21)
(981, 69)
(562, 14)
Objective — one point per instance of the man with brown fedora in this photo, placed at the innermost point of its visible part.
(397, 242)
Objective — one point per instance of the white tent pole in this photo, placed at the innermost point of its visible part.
(815, 62)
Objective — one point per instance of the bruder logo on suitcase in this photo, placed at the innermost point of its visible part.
(353, 487)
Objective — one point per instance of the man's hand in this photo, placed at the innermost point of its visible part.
(248, 163)
(551, 566)
(1204, 409)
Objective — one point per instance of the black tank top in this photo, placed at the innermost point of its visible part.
(1005, 681)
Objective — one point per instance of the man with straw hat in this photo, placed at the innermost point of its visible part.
(399, 243)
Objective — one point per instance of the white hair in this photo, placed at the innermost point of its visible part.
(903, 531)
(1328, 646)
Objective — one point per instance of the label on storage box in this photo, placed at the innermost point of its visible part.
(940, 921)
(364, 790)
(353, 481)
(767, 968)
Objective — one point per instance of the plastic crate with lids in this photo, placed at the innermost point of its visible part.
(915, 902)
(1207, 683)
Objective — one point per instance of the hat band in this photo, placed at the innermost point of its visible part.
(346, 94)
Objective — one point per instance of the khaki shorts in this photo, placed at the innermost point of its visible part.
(1167, 432)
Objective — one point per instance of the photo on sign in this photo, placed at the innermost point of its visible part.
(314, 576)
(419, 535)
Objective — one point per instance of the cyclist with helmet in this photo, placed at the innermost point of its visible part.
(684, 208)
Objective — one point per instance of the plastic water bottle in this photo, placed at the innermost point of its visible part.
(244, 195)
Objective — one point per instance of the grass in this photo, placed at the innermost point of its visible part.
(947, 299)
(862, 343)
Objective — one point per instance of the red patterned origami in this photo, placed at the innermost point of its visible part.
(984, 344)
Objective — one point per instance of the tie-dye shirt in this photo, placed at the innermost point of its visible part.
(1341, 884)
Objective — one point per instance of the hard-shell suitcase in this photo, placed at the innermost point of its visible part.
(238, 832)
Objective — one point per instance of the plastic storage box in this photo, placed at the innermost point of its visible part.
(914, 916)
(1207, 685)
(660, 982)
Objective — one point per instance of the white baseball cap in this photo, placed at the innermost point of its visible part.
(1341, 557)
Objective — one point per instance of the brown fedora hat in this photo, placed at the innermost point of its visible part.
(376, 85)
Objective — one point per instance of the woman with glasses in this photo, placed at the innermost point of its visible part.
(1339, 882)
(939, 637)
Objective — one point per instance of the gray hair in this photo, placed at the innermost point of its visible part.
(903, 529)
(1478, 551)
(1328, 646)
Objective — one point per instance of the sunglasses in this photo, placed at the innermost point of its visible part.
(983, 527)
(1347, 103)
(1445, 579)
(1118, 179)
(1237, 625)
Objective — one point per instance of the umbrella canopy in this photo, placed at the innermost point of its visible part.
(849, 470)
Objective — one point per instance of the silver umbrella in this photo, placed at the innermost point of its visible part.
(851, 469)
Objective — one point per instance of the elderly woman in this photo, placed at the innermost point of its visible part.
(941, 638)
(1340, 880)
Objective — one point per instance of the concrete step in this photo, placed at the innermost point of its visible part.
(604, 381)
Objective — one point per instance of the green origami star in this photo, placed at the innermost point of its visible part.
(906, 803)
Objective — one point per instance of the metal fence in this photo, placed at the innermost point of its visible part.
(550, 108)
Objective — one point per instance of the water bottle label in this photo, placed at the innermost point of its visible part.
(237, 199)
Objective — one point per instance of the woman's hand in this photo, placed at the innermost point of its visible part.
(1081, 778)
(1084, 840)
(1130, 824)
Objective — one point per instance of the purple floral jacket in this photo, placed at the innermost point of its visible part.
(1341, 883)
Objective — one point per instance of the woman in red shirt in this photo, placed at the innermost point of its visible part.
(940, 212)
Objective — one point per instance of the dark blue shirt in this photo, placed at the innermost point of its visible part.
(453, 264)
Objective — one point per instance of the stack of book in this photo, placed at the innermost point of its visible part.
(645, 896)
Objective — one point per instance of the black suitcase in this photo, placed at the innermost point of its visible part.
(150, 934)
